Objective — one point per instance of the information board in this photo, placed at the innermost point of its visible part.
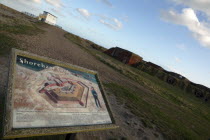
(46, 94)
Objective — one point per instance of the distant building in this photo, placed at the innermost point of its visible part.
(48, 18)
(124, 56)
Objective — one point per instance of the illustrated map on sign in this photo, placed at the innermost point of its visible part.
(47, 95)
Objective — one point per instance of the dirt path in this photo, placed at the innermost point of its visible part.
(53, 44)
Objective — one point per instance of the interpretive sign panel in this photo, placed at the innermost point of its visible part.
(46, 94)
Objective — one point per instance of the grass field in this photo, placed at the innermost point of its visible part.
(21, 29)
(175, 113)
(7, 41)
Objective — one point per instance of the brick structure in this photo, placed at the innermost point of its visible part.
(172, 78)
(124, 56)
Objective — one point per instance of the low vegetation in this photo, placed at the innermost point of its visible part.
(12, 25)
(83, 42)
(174, 121)
(21, 29)
(6, 43)
(73, 38)
(174, 112)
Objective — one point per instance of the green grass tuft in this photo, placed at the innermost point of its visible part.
(21, 29)
(75, 39)
(6, 43)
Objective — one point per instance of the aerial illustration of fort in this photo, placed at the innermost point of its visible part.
(46, 95)
(65, 91)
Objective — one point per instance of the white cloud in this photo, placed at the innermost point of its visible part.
(188, 18)
(200, 5)
(85, 13)
(57, 11)
(31, 6)
(106, 2)
(118, 23)
(178, 60)
(111, 23)
(56, 3)
(29, 1)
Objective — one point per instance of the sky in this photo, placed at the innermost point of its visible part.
(174, 34)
